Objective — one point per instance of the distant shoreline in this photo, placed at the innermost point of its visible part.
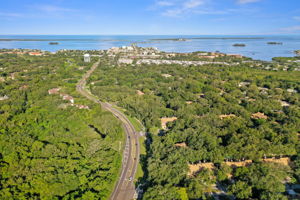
(155, 39)
(257, 46)
(47, 40)
(210, 38)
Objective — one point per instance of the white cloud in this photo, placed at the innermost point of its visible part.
(164, 3)
(47, 11)
(291, 29)
(52, 9)
(9, 14)
(179, 8)
(247, 1)
(173, 12)
(296, 18)
(193, 4)
(183, 8)
(212, 12)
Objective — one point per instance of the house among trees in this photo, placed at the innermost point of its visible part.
(243, 84)
(166, 75)
(5, 97)
(67, 98)
(235, 55)
(125, 61)
(35, 53)
(166, 120)
(259, 115)
(23, 87)
(182, 144)
(227, 116)
(82, 107)
(140, 93)
(284, 103)
(54, 91)
(291, 90)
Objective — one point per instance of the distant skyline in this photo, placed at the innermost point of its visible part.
(150, 17)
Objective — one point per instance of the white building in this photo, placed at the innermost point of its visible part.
(125, 61)
(4, 98)
(87, 58)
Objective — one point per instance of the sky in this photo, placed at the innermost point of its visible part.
(150, 17)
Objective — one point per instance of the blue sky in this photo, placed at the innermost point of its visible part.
(155, 17)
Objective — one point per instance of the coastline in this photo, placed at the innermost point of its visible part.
(257, 46)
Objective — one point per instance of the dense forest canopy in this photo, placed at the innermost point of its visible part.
(215, 130)
(222, 113)
(48, 148)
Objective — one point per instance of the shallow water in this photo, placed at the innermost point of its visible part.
(256, 46)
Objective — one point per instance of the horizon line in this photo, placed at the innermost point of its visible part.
(149, 34)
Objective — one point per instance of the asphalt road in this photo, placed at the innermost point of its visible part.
(124, 188)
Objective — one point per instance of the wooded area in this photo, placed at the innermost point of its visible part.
(223, 113)
(55, 144)
(49, 147)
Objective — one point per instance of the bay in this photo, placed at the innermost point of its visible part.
(257, 46)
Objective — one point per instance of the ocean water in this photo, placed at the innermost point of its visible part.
(256, 46)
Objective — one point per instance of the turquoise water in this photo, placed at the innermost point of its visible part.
(256, 46)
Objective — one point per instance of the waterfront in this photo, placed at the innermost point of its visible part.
(256, 47)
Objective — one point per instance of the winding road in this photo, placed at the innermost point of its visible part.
(124, 188)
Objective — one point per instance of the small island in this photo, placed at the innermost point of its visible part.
(53, 43)
(297, 52)
(239, 45)
(275, 43)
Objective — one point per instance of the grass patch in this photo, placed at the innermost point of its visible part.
(137, 125)
(140, 173)
(134, 121)
(142, 146)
